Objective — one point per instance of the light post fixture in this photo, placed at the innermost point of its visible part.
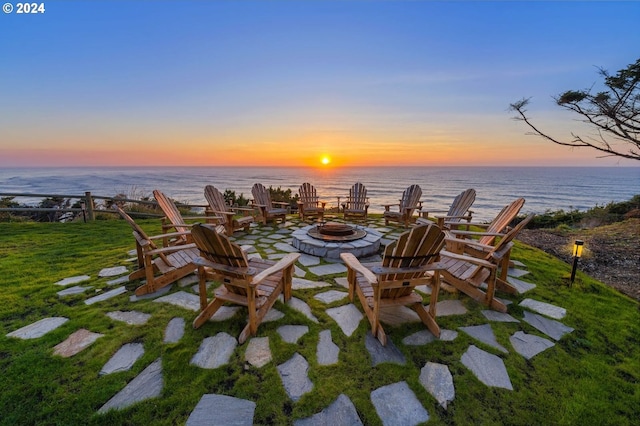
(577, 253)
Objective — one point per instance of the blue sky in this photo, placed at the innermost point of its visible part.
(286, 82)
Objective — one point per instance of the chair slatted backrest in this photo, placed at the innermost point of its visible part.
(170, 210)
(411, 198)
(417, 247)
(308, 195)
(217, 248)
(141, 235)
(502, 220)
(357, 197)
(216, 202)
(462, 203)
(261, 195)
(509, 236)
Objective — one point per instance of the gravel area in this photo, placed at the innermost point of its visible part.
(612, 252)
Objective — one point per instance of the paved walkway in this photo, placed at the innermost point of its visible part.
(395, 403)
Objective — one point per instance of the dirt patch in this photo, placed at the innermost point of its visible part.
(612, 252)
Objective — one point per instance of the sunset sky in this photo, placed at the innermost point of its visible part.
(362, 83)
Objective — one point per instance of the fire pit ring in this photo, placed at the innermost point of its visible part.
(363, 243)
(333, 231)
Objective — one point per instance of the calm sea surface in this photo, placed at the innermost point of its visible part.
(544, 188)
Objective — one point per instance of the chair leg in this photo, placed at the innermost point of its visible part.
(207, 312)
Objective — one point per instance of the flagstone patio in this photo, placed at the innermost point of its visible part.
(215, 351)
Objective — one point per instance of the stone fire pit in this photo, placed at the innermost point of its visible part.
(330, 239)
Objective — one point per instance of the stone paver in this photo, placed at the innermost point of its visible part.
(222, 410)
(188, 280)
(547, 309)
(302, 284)
(449, 307)
(308, 260)
(498, 316)
(396, 404)
(75, 343)
(124, 359)
(398, 315)
(438, 381)
(521, 286)
(182, 299)
(302, 307)
(38, 328)
(161, 292)
(419, 338)
(331, 296)
(330, 269)
(272, 315)
(113, 271)
(551, 328)
(73, 290)
(146, 385)
(285, 247)
(106, 296)
(215, 351)
(348, 317)
(258, 352)
(73, 280)
(488, 368)
(294, 376)
(515, 272)
(119, 280)
(529, 345)
(130, 317)
(484, 333)
(342, 282)
(340, 412)
(174, 331)
(327, 351)
(380, 354)
(291, 333)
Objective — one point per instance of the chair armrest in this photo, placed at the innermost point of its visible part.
(170, 235)
(380, 270)
(201, 261)
(280, 203)
(230, 214)
(476, 233)
(353, 263)
(454, 217)
(470, 259)
(282, 264)
(473, 243)
(170, 249)
(478, 224)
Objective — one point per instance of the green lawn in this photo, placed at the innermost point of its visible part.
(591, 376)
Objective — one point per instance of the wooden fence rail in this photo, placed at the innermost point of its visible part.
(87, 204)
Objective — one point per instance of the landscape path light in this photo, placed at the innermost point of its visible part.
(577, 253)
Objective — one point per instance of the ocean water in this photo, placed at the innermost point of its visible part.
(544, 188)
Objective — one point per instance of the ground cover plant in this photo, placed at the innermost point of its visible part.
(591, 376)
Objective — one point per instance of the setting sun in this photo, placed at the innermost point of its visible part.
(325, 160)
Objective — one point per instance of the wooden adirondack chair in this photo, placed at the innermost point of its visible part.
(173, 219)
(496, 228)
(410, 261)
(159, 266)
(467, 273)
(268, 209)
(356, 205)
(409, 202)
(254, 283)
(309, 204)
(458, 212)
(225, 215)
